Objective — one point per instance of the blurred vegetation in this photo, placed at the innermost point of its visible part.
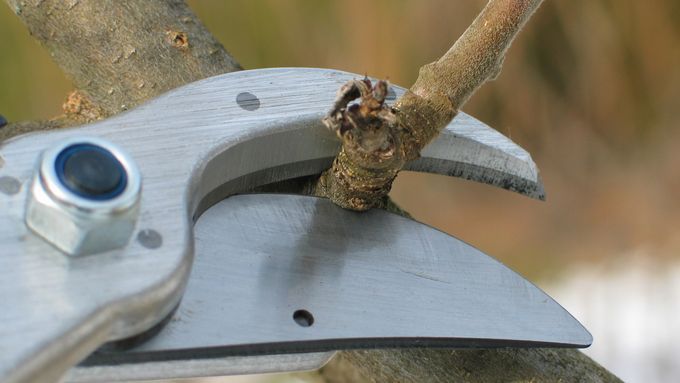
(590, 88)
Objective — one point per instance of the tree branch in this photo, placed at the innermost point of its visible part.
(446, 366)
(374, 149)
(120, 53)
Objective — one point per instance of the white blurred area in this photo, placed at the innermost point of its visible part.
(631, 306)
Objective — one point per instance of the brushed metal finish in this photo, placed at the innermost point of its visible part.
(468, 151)
(369, 280)
(77, 225)
(193, 146)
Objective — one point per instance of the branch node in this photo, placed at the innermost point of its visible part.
(371, 155)
(79, 108)
(178, 39)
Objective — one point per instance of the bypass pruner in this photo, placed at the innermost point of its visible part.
(129, 250)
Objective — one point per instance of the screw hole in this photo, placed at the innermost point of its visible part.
(303, 318)
(248, 101)
(151, 239)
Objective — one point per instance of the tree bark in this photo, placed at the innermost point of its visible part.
(446, 366)
(119, 54)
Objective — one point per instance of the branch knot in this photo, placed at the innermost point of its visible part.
(371, 153)
(368, 128)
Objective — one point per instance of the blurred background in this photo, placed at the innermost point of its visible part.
(590, 88)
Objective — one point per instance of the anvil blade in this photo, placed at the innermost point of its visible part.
(365, 280)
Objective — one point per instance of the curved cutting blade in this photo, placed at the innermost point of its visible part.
(194, 146)
(469, 149)
(279, 274)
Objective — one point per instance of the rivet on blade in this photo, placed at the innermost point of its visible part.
(248, 101)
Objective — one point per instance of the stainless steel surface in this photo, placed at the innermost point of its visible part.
(468, 151)
(77, 225)
(368, 280)
(193, 146)
(197, 368)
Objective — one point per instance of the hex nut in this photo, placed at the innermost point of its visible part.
(78, 224)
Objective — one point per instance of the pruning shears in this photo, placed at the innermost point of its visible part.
(131, 248)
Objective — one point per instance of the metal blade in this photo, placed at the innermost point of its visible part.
(363, 280)
(470, 149)
(194, 146)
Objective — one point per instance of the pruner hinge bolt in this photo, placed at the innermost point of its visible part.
(84, 198)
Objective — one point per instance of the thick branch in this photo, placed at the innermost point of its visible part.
(120, 53)
(478, 54)
(446, 366)
(441, 89)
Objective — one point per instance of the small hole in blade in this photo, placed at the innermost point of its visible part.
(303, 318)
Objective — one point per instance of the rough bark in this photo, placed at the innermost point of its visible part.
(121, 53)
(446, 366)
(363, 172)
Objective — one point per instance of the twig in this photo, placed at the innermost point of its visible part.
(360, 179)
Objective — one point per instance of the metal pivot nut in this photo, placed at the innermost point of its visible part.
(84, 198)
